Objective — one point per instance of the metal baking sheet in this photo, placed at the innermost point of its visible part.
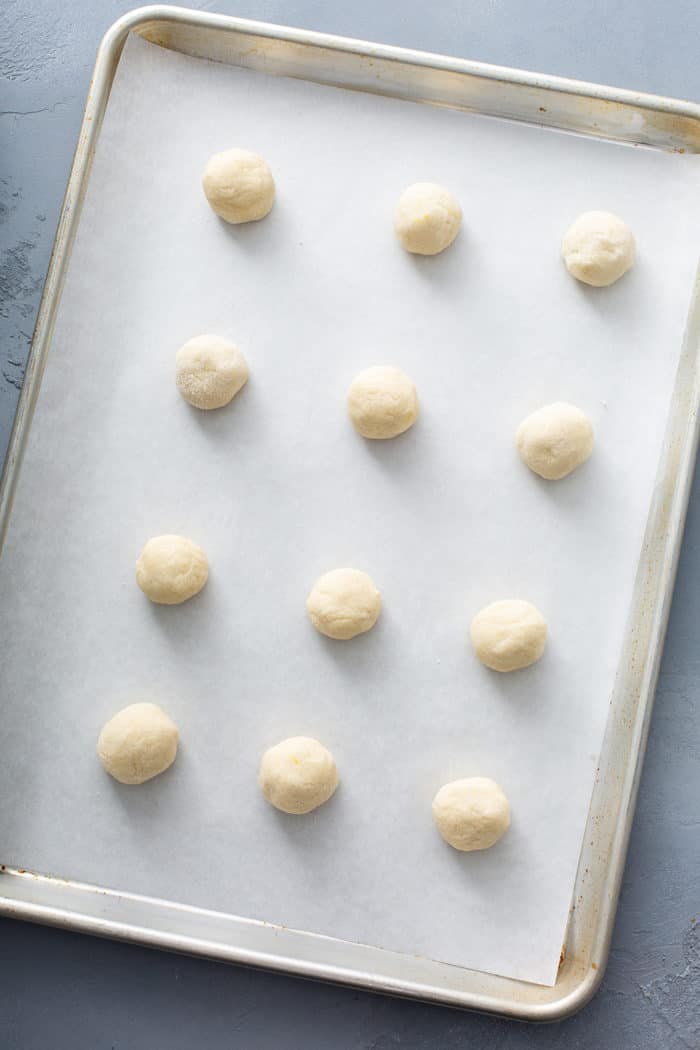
(118, 485)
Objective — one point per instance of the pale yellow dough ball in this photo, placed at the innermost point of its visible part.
(555, 440)
(508, 635)
(238, 185)
(344, 603)
(138, 743)
(171, 569)
(472, 813)
(298, 775)
(382, 402)
(209, 371)
(598, 248)
(427, 218)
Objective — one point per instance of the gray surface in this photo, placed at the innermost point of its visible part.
(61, 990)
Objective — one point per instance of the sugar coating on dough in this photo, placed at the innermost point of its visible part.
(209, 371)
(472, 813)
(508, 635)
(344, 603)
(298, 775)
(598, 248)
(238, 185)
(555, 440)
(138, 743)
(427, 218)
(382, 402)
(171, 569)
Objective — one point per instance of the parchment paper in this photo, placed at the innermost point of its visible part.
(278, 488)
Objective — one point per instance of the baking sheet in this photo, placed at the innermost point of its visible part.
(278, 488)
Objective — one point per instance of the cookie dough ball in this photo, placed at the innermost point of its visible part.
(344, 603)
(598, 248)
(209, 371)
(298, 775)
(171, 569)
(138, 743)
(382, 402)
(555, 440)
(427, 218)
(472, 813)
(238, 185)
(508, 635)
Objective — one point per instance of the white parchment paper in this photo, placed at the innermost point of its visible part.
(278, 489)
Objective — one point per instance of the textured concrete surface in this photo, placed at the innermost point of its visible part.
(60, 990)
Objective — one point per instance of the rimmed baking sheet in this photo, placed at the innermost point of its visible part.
(278, 488)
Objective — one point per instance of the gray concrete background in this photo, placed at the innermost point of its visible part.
(60, 990)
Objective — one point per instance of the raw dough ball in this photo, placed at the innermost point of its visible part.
(298, 775)
(508, 635)
(171, 569)
(598, 248)
(138, 743)
(382, 402)
(344, 603)
(427, 218)
(209, 371)
(555, 440)
(472, 813)
(238, 185)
